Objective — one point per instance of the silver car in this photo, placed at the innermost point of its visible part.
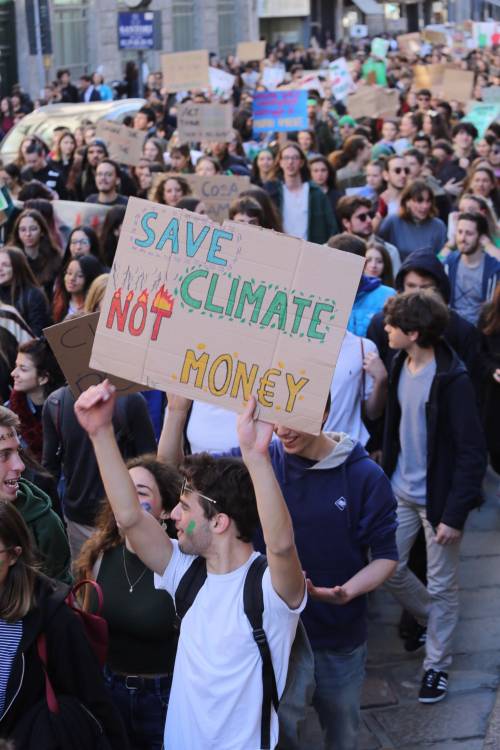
(43, 120)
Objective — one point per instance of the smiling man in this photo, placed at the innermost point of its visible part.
(33, 504)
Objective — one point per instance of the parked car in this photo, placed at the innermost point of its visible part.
(43, 120)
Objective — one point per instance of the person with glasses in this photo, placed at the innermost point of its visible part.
(304, 207)
(396, 175)
(82, 240)
(356, 216)
(218, 670)
(424, 97)
(73, 284)
(416, 225)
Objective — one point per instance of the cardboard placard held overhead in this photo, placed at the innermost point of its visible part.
(490, 94)
(409, 44)
(457, 85)
(185, 71)
(71, 214)
(219, 313)
(434, 37)
(71, 342)
(205, 122)
(216, 192)
(428, 76)
(221, 82)
(482, 114)
(124, 144)
(373, 101)
(341, 79)
(249, 51)
(272, 77)
(279, 111)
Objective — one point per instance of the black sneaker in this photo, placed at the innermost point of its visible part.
(434, 686)
(417, 639)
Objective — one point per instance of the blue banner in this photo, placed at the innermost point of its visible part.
(279, 111)
(136, 30)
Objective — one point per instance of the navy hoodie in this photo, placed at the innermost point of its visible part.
(341, 508)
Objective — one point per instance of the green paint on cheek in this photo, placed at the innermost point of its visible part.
(190, 527)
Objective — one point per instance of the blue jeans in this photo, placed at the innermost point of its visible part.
(337, 699)
(143, 707)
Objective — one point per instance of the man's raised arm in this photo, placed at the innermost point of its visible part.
(94, 411)
(171, 443)
(284, 565)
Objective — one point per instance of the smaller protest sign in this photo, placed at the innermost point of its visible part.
(434, 37)
(71, 342)
(491, 94)
(483, 32)
(184, 71)
(71, 214)
(375, 72)
(358, 31)
(124, 144)
(429, 77)
(221, 82)
(409, 44)
(341, 79)
(216, 192)
(457, 85)
(204, 122)
(272, 76)
(380, 47)
(279, 111)
(482, 114)
(373, 101)
(248, 51)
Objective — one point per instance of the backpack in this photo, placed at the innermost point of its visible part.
(300, 677)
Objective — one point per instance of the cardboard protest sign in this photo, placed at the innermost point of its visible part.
(221, 82)
(216, 192)
(219, 313)
(375, 72)
(124, 144)
(204, 122)
(482, 114)
(279, 111)
(358, 31)
(71, 214)
(184, 71)
(373, 101)
(491, 94)
(409, 44)
(434, 37)
(341, 79)
(248, 51)
(457, 85)
(483, 32)
(429, 77)
(72, 341)
(272, 77)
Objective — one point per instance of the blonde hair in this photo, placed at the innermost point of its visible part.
(96, 292)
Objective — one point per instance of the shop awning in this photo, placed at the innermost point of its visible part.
(370, 7)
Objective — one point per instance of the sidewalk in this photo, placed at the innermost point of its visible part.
(469, 718)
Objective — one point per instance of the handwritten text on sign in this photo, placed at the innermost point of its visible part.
(279, 111)
(218, 313)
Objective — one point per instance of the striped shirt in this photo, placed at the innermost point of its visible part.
(10, 638)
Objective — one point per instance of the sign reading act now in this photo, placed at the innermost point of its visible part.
(218, 313)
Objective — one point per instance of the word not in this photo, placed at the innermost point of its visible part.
(191, 243)
(229, 376)
(247, 300)
(161, 307)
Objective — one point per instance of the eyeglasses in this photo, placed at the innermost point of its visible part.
(290, 158)
(398, 170)
(82, 242)
(421, 199)
(187, 490)
(364, 216)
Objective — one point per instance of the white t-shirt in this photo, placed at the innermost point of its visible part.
(347, 388)
(296, 211)
(211, 428)
(216, 697)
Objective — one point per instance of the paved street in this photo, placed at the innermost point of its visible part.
(469, 718)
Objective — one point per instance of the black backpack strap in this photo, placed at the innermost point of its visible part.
(189, 585)
(253, 603)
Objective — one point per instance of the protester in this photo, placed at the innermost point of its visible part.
(73, 284)
(350, 162)
(378, 263)
(489, 357)
(110, 234)
(262, 167)
(82, 240)
(38, 168)
(323, 174)
(19, 288)
(31, 235)
(108, 182)
(246, 211)
(169, 190)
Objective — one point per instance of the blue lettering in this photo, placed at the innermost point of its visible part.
(150, 235)
(193, 245)
(170, 234)
(219, 234)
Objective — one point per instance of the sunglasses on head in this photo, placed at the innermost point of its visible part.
(186, 489)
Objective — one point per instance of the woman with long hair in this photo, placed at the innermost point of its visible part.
(416, 226)
(262, 167)
(33, 606)
(180, 159)
(19, 288)
(141, 619)
(82, 240)
(32, 235)
(170, 189)
(35, 375)
(481, 181)
(153, 150)
(378, 263)
(323, 174)
(208, 166)
(434, 125)
(6, 115)
(73, 284)
(350, 162)
(110, 233)
(489, 359)
(271, 216)
(95, 294)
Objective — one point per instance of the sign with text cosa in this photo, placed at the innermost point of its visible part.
(218, 313)
(279, 111)
(204, 122)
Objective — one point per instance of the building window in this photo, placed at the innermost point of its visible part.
(71, 49)
(226, 27)
(183, 25)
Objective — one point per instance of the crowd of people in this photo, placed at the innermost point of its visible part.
(167, 504)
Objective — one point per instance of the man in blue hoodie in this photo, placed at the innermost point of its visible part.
(343, 512)
(371, 293)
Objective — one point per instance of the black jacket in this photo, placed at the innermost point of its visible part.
(456, 450)
(72, 666)
(31, 303)
(67, 447)
(461, 335)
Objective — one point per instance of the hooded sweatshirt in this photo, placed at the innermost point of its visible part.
(342, 507)
(47, 530)
(370, 299)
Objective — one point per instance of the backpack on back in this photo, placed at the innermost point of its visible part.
(300, 677)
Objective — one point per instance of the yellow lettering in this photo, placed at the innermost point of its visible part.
(244, 379)
(294, 388)
(228, 361)
(192, 362)
(266, 387)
